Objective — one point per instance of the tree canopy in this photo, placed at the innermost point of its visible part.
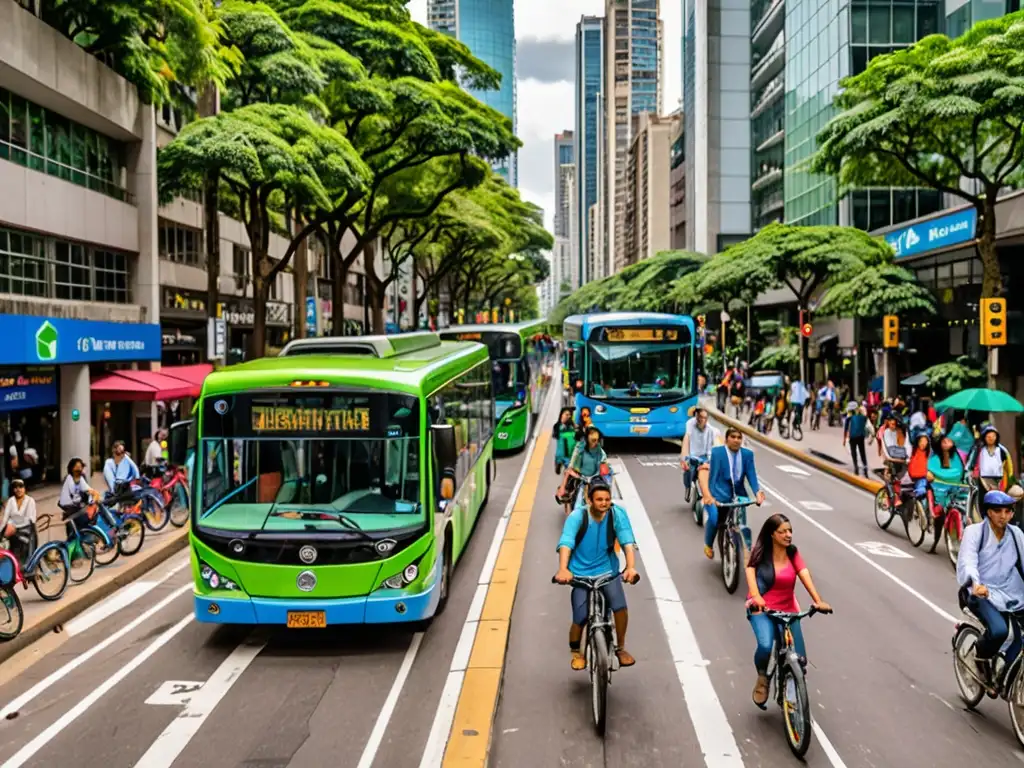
(937, 114)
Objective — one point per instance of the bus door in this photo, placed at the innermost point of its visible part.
(572, 375)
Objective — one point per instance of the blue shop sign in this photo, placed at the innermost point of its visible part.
(21, 391)
(942, 232)
(55, 340)
(311, 315)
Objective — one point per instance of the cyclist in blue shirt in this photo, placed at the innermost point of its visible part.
(587, 548)
(119, 468)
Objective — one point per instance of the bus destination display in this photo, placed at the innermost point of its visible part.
(641, 334)
(278, 418)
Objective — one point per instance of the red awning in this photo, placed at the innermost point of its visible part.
(192, 374)
(130, 386)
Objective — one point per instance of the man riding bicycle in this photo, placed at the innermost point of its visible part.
(587, 548)
(699, 439)
(989, 569)
(731, 465)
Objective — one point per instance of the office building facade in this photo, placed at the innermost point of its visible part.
(716, 117)
(633, 67)
(648, 225)
(487, 27)
(588, 88)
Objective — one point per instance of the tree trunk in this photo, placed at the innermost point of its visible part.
(992, 279)
(340, 273)
(211, 224)
(300, 275)
(258, 340)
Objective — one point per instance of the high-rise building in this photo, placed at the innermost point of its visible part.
(565, 168)
(648, 223)
(825, 43)
(768, 110)
(588, 88)
(677, 179)
(487, 27)
(633, 62)
(716, 114)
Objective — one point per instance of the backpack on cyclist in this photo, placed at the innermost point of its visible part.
(586, 522)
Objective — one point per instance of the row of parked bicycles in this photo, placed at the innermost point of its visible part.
(98, 533)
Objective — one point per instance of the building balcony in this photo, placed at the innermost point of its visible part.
(767, 177)
(774, 140)
(770, 65)
(768, 96)
(769, 24)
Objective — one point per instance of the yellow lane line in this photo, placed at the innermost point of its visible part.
(469, 742)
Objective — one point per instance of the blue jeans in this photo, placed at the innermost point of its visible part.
(764, 631)
(997, 629)
(614, 597)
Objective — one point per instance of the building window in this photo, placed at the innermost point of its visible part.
(181, 244)
(241, 262)
(47, 142)
(56, 269)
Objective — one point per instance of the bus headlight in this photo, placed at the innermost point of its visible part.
(600, 409)
(518, 404)
(402, 580)
(214, 580)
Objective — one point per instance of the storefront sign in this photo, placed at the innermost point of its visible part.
(31, 340)
(236, 314)
(189, 301)
(941, 232)
(27, 390)
(179, 339)
(311, 315)
(217, 339)
(278, 313)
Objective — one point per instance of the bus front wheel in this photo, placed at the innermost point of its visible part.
(445, 584)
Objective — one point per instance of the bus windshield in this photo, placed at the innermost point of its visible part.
(508, 378)
(620, 367)
(283, 461)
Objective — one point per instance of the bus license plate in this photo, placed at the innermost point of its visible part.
(640, 429)
(638, 419)
(307, 619)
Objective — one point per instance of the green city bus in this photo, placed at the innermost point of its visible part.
(339, 482)
(516, 370)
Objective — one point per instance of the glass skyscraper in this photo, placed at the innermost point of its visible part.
(588, 87)
(487, 27)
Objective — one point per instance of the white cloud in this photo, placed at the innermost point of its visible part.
(547, 108)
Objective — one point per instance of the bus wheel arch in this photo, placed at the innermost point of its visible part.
(444, 584)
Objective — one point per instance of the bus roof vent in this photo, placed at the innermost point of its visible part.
(368, 346)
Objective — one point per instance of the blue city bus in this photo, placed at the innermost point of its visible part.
(635, 371)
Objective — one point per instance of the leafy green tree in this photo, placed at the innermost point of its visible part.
(955, 375)
(783, 355)
(156, 45)
(884, 289)
(937, 114)
(267, 155)
(803, 259)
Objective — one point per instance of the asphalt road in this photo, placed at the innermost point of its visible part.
(881, 681)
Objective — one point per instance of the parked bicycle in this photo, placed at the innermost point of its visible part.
(786, 669)
(172, 486)
(12, 615)
(85, 540)
(123, 526)
(1007, 683)
(46, 568)
(600, 643)
(733, 539)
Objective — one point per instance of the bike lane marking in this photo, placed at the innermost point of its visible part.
(29, 751)
(461, 733)
(176, 736)
(717, 741)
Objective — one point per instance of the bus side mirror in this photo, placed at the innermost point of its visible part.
(177, 443)
(446, 457)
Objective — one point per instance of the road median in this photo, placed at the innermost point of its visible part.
(80, 597)
(871, 486)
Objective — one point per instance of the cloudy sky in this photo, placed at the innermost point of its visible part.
(545, 30)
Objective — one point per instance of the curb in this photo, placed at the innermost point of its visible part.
(871, 486)
(69, 609)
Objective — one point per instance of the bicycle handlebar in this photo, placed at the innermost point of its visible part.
(789, 617)
(593, 582)
(739, 501)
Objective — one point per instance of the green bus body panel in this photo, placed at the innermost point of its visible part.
(512, 424)
(420, 373)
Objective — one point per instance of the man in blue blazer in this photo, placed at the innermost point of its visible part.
(731, 466)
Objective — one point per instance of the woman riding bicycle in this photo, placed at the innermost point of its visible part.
(587, 460)
(945, 469)
(772, 571)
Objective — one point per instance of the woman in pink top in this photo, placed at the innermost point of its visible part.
(772, 571)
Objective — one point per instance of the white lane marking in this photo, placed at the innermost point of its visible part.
(176, 736)
(945, 615)
(717, 741)
(59, 674)
(174, 693)
(815, 506)
(29, 751)
(381, 726)
(120, 599)
(437, 741)
(793, 469)
(826, 746)
(883, 549)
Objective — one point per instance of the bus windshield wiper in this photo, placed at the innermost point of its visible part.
(319, 514)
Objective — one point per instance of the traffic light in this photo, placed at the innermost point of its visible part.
(806, 329)
(891, 332)
(993, 322)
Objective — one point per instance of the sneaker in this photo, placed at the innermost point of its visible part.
(579, 661)
(760, 694)
(709, 552)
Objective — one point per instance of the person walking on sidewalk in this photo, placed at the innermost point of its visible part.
(855, 433)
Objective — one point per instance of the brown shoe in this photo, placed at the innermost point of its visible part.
(579, 661)
(760, 694)
(625, 658)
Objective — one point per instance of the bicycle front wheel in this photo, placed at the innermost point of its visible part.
(964, 644)
(131, 535)
(12, 617)
(884, 513)
(179, 508)
(600, 664)
(1015, 699)
(731, 560)
(916, 523)
(796, 708)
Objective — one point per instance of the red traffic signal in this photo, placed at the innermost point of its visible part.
(806, 329)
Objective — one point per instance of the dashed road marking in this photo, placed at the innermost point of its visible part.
(815, 506)
(793, 469)
(174, 693)
(882, 549)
